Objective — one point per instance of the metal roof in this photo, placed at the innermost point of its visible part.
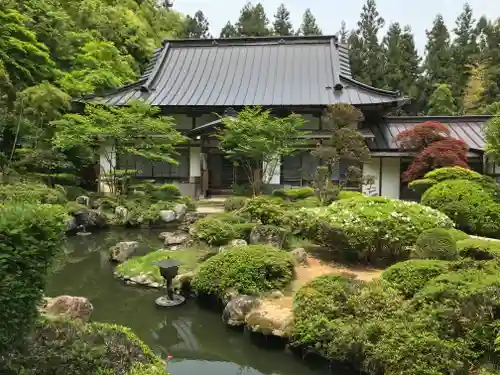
(268, 71)
(467, 128)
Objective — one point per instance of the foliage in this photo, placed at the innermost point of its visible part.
(32, 235)
(479, 249)
(234, 203)
(436, 243)
(374, 228)
(492, 136)
(243, 230)
(248, 270)
(94, 348)
(410, 276)
(294, 194)
(346, 194)
(213, 231)
(132, 130)
(441, 102)
(30, 193)
(197, 27)
(255, 137)
(253, 21)
(468, 204)
(345, 143)
(434, 147)
(309, 26)
(282, 24)
(143, 265)
(271, 234)
(263, 209)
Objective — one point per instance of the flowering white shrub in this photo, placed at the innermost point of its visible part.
(375, 228)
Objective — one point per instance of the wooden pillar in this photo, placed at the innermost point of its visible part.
(204, 168)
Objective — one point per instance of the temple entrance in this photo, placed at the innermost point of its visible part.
(222, 174)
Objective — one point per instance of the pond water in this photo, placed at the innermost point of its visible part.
(196, 338)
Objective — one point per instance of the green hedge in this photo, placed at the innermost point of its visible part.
(31, 193)
(468, 204)
(346, 194)
(213, 231)
(436, 243)
(410, 276)
(72, 348)
(294, 194)
(266, 210)
(30, 236)
(248, 270)
(479, 249)
(373, 229)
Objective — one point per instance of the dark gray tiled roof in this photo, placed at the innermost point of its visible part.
(467, 128)
(271, 71)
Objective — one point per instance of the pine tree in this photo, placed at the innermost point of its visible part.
(368, 27)
(309, 26)
(356, 46)
(343, 34)
(282, 24)
(490, 57)
(464, 51)
(253, 21)
(441, 102)
(197, 26)
(437, 65)
(229, 31)
(402, 69)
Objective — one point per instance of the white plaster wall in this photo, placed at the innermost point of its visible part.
(194, 162)
(107, 161)
(391, 177)
(273, 172)
(372, 169)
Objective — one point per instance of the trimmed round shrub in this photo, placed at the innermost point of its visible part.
(228, 217)
(410, 276)
(436, 243)
(374, 228)
(346, 194)
(93, 348)
(266, 210)
(170, 190)
(213, 231)
(234, 203)
(468, 204)
(458, 235)
(310, 202)
(453, 173)
(294, 194)
(479, 249)
(31, 235)
(243, 230)
(248, 270)
(31, 193)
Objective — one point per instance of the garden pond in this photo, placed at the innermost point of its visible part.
(196, 339)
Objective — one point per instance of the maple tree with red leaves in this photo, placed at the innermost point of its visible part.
(435, 148)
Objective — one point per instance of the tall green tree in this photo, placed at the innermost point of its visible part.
(441, 102)
(229, 31)
(402, 70)
(197, 26)
(464, 52)
(309, 25)
(343, 34)
(371, 52)
(282, 24)
(437, 65)
(253, 21)
(490, 56)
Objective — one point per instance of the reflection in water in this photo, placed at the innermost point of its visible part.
(197, 339)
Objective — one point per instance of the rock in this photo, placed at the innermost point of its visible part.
(270, 320)
(237, 243)
(70, 307)
(141, 279)
(276, 294)
(184, 280)
(121, 212)
(167, 216)
(237, 309)
(71, 224)
(122, 251)
(89, 218)
(83, 199)
(180, 210)
(300, 255)
(174, 238)
(268, 235)
(155, 285)
(229, 294)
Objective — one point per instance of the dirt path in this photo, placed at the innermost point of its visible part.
(277, 312)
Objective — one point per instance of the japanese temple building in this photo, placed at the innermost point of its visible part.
(195, 81)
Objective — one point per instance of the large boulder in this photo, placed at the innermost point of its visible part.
(238, 308)
(84, 200)
(180, 210)
(174, 238)
(90, 218)
(300, 256)
(122, 251)
(71, 225)
(68, 306)
(269, 235)
(168, 216)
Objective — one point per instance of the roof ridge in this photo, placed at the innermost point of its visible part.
(396, 94)
(440, 117)
(253, 39)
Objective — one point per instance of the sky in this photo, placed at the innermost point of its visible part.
(330, 13)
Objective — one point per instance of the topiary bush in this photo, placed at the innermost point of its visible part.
(30, 237)
(248, 270)
(234, 203)
(294, 194)
(436, 243)
(213, 231)
(77, 348)
(168, 191)
(266, 210)
(31, 193)
(479, 249)
(243, 231)
(468, 204)
(346, 194)
(373, 229)
(458, 235)
(410, 276)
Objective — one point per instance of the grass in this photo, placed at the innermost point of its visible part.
(189, 258)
